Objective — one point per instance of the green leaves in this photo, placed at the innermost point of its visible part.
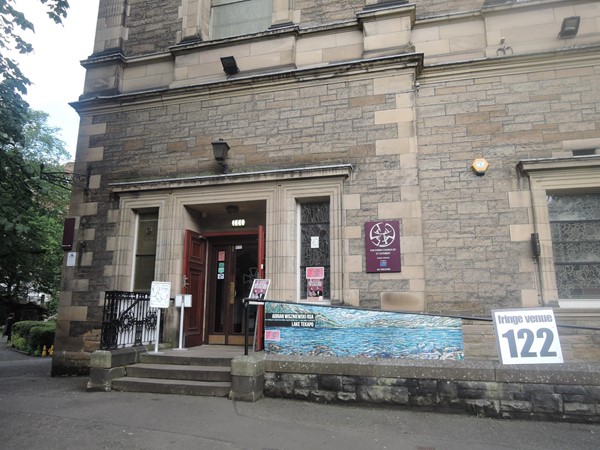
(32, 210)
(13, 83)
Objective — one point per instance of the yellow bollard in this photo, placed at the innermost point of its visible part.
(44, 352)
(51, 351)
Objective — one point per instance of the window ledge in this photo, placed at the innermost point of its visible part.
(574, 162)
(580, 303)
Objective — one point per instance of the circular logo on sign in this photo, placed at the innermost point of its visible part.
(382, 234)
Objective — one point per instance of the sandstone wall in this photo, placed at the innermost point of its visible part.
(477, 229)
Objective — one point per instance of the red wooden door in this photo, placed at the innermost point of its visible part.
(194, 268)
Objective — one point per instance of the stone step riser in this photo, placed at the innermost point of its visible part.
(185, 360)
(179, 374)
(166, 387)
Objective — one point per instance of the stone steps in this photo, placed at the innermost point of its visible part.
(180, 372)
(170, 386)
(186, 360)
(177, 374)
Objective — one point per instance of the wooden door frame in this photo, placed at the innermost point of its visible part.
(217, 238)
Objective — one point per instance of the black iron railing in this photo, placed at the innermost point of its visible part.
(128, 320)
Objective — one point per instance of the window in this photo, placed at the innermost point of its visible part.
(240, 17)
(566, 213)
(314, 242)
(145, 251)
(575, 228)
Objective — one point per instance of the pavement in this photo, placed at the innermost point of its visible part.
(41, 412)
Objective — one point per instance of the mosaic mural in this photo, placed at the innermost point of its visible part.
(312, 330)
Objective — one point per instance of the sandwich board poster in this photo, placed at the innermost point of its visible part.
(260, 287)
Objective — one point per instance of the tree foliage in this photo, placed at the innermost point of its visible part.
(13, 83)
(31, 209)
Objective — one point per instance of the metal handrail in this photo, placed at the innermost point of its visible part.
(128, 320)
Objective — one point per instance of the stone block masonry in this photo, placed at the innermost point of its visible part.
(569, 392)
(476, 229)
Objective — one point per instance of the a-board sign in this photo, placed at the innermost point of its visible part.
(259, 289)
(527, 336)
(159, 294)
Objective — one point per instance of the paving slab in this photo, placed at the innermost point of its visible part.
(40, 412)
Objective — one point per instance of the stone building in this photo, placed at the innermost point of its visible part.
(337, 114)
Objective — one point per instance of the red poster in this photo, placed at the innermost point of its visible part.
(314, 288)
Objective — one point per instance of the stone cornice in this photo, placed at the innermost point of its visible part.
(507, 5)
(568, 58)
(191, 46)
(337, 170)
(411, 61)
(384, 10)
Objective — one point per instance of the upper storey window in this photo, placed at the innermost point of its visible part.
(238, 17)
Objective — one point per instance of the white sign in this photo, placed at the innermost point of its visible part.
(185, 299)
(159, 294)
(71, 259)
(527, 336)
(314, 242)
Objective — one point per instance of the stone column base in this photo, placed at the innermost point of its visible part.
(247, 377)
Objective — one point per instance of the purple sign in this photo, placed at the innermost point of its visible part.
(382, 246)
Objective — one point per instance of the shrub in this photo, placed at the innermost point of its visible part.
(30, 336)
(42, 334)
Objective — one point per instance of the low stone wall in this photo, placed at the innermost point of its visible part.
(566, 392)
(106, 365)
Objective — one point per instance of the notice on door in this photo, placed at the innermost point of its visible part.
(527, 336)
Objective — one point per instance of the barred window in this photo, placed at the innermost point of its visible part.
(575, 228)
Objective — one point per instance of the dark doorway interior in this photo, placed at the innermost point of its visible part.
(233, 263)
